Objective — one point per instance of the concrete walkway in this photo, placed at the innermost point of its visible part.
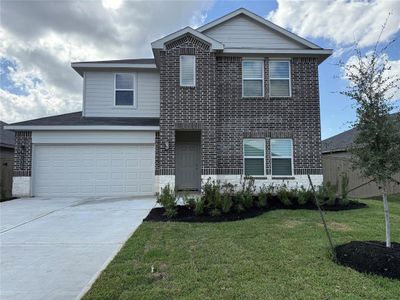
(55, 248)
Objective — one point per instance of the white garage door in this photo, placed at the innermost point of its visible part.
(93, 170)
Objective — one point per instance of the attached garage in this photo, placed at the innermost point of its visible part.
(94, 163)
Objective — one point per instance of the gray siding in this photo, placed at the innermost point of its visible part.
(99, 95)
(242, 32)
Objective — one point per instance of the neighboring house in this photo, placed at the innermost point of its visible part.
(336, 161)
(7, 141)
(237, 96)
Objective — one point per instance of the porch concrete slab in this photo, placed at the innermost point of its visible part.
(54, 248)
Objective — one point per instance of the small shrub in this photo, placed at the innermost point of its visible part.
(238, 206)
(292, 194)
(331, 190)
(190, 202)
(199, 206)
(168, 200)
(215, 212)
(226, 203)
(262, 199)
(344, 189)
(304, 196)
(245, 195)
(228, 191)
(321, 194)
(212, 195)
(283, 195)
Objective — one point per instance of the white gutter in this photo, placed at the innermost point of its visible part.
(279, 51)
(77, 127)
(113, 65)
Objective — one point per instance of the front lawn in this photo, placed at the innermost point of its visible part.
(281, 254)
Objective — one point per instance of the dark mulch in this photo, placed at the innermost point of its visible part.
(370, 257)
(187, 215)
(8, 199)
(336, 207)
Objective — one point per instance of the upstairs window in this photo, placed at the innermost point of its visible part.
(124, 89)
(282, 157)
(254, 157)
(253, 78)
(188, 70)
(279, 78)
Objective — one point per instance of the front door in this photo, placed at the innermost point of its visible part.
(188, 166)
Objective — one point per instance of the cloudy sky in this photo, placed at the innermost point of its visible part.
(39, 39)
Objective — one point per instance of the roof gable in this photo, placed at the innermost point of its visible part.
(159, 44)
(243, 28)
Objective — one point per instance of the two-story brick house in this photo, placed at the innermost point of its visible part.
(236, 97)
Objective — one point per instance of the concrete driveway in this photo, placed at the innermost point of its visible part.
(55, 248)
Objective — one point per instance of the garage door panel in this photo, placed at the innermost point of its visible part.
(93, 170)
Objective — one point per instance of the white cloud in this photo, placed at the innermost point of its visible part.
(112, 4)
(63, 31)
(342, 21)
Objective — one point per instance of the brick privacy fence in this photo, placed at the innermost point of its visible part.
(216, 107)
(23, 153)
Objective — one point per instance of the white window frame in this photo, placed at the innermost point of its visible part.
(134, 104)
(194, 70)
(280, 78)
(282, 157)
(244, 157)
(263, 77)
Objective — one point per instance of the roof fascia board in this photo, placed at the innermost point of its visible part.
(159, 44)
(77, 127)
(279, 51)
(260, 20)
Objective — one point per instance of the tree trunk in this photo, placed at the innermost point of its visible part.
(387, 219)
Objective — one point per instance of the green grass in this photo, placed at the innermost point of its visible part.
(391, 198)
(282, 254)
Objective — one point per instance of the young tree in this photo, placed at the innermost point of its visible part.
(376, 149)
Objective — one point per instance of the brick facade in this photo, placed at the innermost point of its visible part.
(185, 108)
(216, 107)
(296, 117)
(23, 153)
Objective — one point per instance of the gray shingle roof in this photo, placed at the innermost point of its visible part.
(7, 137)
(342, 141)
(76, 119)
(339, 142)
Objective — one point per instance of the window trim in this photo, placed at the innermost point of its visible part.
(180, 71)
(244, 157)
(262, 79)
(282, 157)
(280, 78)
(134, 85)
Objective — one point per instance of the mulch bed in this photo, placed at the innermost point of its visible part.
(187, 215)
(8, 199)
(370, 257)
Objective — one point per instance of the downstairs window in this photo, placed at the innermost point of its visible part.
(282, 157)
(254, 157)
